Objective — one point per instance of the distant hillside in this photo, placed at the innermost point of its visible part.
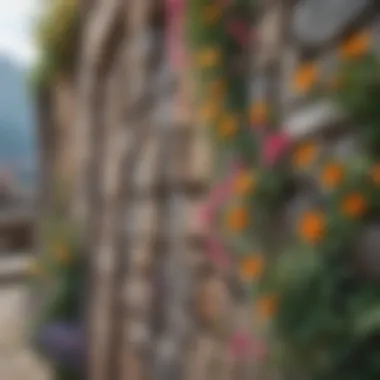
(17, 126)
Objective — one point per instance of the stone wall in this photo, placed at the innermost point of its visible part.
(156, 308)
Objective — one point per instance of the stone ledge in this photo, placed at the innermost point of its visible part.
(14, 268)
(312, 119)
(100, 28)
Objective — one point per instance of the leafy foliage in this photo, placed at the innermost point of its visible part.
(57, 34)
(326, 316)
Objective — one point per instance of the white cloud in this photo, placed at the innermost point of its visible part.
(16, 24)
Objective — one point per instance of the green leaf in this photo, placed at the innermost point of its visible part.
(368, 321)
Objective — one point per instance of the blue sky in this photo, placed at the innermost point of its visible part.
(16, 21)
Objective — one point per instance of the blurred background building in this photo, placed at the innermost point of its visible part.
(123, 160)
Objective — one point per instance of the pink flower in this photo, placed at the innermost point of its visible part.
(240, 344)
(274, 148)
(176, 6)
(174, 31)
(219, 195)
(243, 345)
(206, 214)
(260, 350)
(218, 254)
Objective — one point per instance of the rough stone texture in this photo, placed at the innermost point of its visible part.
(347, 147)
(145, 286)
(201, 164)
(312, 119)
(367, 251)
(268, 35)
(145, 219)
(288, 68)
(318, 21)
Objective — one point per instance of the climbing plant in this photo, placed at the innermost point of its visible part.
(319, 314)
(57, 36)
(58, 283)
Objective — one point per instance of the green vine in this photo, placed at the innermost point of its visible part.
(320, 314)
(57, 35)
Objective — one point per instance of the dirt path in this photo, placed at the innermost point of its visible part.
(17, 361)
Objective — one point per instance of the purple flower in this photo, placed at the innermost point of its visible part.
(63, 342)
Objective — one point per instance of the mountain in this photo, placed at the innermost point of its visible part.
(17, 121)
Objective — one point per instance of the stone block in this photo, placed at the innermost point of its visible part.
(347, 147)
(269, 36)
(138, 15)
(328, 68)
(312, 119)
(164, 111)
(288, 67)
(197, 229)
(181, 140)
(141, 255)
(367, 251)
(146, 174)
(201, 159)
(213, 301)
(142, 219)
(258, 87)
(138, 334)
(138, 293)
(316, 22)
(196, 260)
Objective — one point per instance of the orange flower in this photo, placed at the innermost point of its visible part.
(212, 13)
(305, 155)
(228, 127)
(356, 46)
(305, 77)
(332, 175)
(209, 57)
(354, 205)
(267, 306)
(375, 174)
(312, 226)
(244, 182)
(237, 219)
(259, 114)
(251, 268)
(209, 112)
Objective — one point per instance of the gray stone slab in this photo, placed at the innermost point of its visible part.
(17, 361)
(367, 252)
(289, 66)
(312, 119)
(317, 21)
(348, 147)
